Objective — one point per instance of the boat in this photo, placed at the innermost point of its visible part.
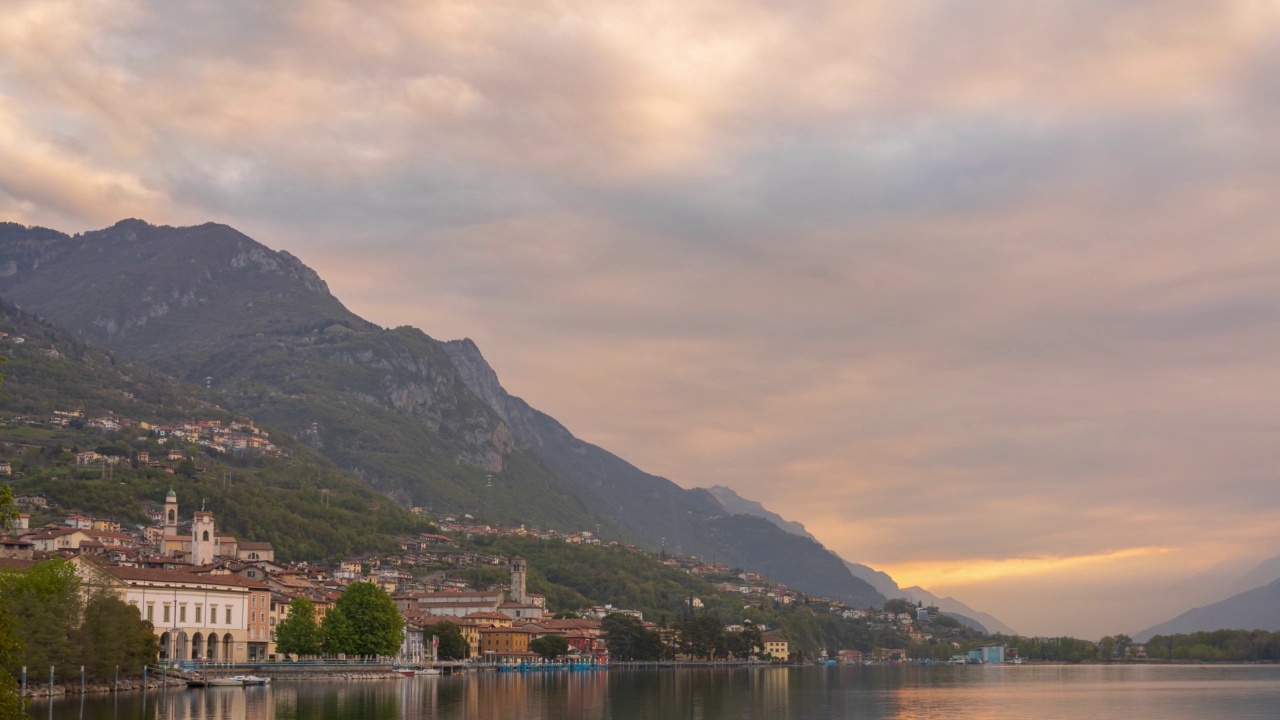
(225, 682)
(251, 679)
(405, 671)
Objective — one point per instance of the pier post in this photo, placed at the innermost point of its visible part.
(24, 679)
(50, 681)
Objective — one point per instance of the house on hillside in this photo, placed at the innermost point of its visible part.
(253, 551)
(776, 646)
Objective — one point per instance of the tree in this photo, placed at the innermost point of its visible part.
(46, 605)
(898, 606)
(452, 645)
(336, 637)
(298, 633)
(376, 624)
(1122, 645)
(12, 706)
(703, 636)
(113, 634)
(1107, 647)
(550, 646)
(628, 639)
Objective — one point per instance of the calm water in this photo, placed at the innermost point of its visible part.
(901, 693)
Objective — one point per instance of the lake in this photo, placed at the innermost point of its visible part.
(901, 693)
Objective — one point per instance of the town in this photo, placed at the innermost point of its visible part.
(213, 598)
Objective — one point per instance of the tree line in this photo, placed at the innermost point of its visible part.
(702, 636)
(363, 622)
(50, 619)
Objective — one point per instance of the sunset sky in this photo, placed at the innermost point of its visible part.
(986, 293)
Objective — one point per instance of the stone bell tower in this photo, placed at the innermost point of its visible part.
(203, 538)
(518, 570)
(171, 513)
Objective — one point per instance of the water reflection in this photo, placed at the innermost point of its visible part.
(873, 693)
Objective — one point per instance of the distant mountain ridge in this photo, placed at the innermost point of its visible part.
(1256, 609)
(882, 582)
(422, 421)
(738, 505)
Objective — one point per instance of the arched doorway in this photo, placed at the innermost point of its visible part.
(213, 647)
(197, 646)
(165, 639)
(180, 649)
(228, 649)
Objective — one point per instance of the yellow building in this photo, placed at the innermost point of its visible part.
(776, 647)
(502, 640)
(470, 630)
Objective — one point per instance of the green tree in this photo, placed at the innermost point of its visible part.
(1122, 645)
(1107, 648)
(298, 633)
(336, 635)
(628, 639)
(550, 646)
(12, 706)
(898, 606)
(703, 636)
(376, 624)
(113, 634)
(46, 606)
(452, 645)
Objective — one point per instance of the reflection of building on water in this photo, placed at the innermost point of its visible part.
(502, 695)
(774, 691)
(212, 704)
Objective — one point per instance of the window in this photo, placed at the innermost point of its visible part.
(253, 616)
(228, 616)
(182, 612)
(151, 615)
(206, 536)
(166, 612)
(213, 614)
(198, 610)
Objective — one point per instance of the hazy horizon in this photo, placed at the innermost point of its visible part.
(985, 296)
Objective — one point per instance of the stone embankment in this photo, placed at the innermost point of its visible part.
(125, 684)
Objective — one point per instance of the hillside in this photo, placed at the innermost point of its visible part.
(1256, 609)
(255, 497)
(422, 421)
(882, 582)
(738, 505)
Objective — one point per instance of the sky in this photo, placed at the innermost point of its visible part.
(987, 294)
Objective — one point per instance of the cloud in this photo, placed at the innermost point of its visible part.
(951, 283)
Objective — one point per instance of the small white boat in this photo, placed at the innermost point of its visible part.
(225, 682)
(251, 680)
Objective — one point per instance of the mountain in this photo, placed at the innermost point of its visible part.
(951, 606)
(1256, 609)
(423, 421)
(1264, 573)
(644, 505)
(881, 581)
(738, 505)
(256, 497)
